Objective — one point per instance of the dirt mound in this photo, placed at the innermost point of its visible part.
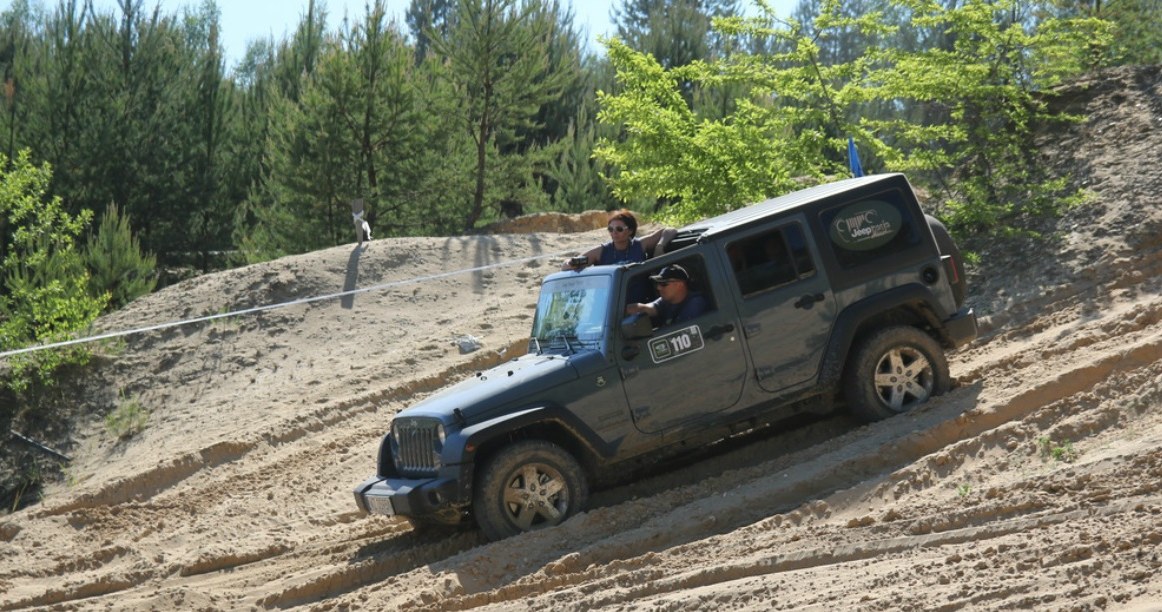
(1036, 483)
(559, 223)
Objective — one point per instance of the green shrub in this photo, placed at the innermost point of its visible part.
(127, 419)
(117, 266)
(1048, 449)
(44, 296)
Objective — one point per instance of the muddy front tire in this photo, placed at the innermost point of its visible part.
(529, 485)
(893, 371)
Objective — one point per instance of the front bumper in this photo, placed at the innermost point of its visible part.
(405, 496)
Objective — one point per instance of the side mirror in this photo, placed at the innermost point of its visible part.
(636, 327)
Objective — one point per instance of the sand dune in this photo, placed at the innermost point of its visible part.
(1036, 483)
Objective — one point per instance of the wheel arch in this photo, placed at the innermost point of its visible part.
(907, 305)
(548, 423)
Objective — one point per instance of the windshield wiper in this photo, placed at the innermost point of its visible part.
(553, 335)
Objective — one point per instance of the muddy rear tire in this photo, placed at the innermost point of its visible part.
(893, 371)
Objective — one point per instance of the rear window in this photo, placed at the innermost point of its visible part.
(870, 229)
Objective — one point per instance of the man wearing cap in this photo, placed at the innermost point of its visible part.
(677, 303)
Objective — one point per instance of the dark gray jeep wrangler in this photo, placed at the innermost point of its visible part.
(841, 295)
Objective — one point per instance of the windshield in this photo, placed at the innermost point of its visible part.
(571, 314)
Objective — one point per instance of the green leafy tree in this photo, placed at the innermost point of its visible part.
(988, 81)
(711, 166)
(45, 296)
(979, 89)
(676, 34)
(17, 35)
(117, 266)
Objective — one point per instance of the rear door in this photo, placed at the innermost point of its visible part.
(784, 300)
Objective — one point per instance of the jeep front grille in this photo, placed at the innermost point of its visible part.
(416, 446)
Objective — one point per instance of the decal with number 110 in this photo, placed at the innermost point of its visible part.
(676, 343)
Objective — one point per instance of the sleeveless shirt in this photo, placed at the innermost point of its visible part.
(610, 255)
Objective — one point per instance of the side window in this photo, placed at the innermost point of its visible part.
(771, 259)
(695, 298)
(869, 229)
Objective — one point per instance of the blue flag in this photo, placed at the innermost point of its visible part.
(853, 158)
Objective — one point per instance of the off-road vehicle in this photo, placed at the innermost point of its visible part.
(842, 295)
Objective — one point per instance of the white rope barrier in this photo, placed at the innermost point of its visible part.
(307, 300)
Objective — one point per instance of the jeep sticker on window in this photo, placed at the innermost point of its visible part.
(676, 343)
(865, 225)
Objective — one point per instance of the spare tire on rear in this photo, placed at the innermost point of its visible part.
(948, 247)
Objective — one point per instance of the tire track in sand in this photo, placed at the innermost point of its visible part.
(884, 448)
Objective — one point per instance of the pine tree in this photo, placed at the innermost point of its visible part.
(429, 16)
(1138, 38)
(498, 65)
(117, 266)
(356, 130)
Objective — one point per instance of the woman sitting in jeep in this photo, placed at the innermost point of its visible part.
(624, 245)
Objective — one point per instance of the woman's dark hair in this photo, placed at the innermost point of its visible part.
(626, 217)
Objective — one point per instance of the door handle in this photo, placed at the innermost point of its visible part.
(807, 301)
(716, 332)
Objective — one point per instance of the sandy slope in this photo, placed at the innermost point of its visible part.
(1036, 483)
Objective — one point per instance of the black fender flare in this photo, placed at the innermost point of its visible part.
(915, 299)
(571, 433)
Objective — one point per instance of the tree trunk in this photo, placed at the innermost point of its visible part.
(478, 193)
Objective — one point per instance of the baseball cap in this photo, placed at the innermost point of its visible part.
(671, 272)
